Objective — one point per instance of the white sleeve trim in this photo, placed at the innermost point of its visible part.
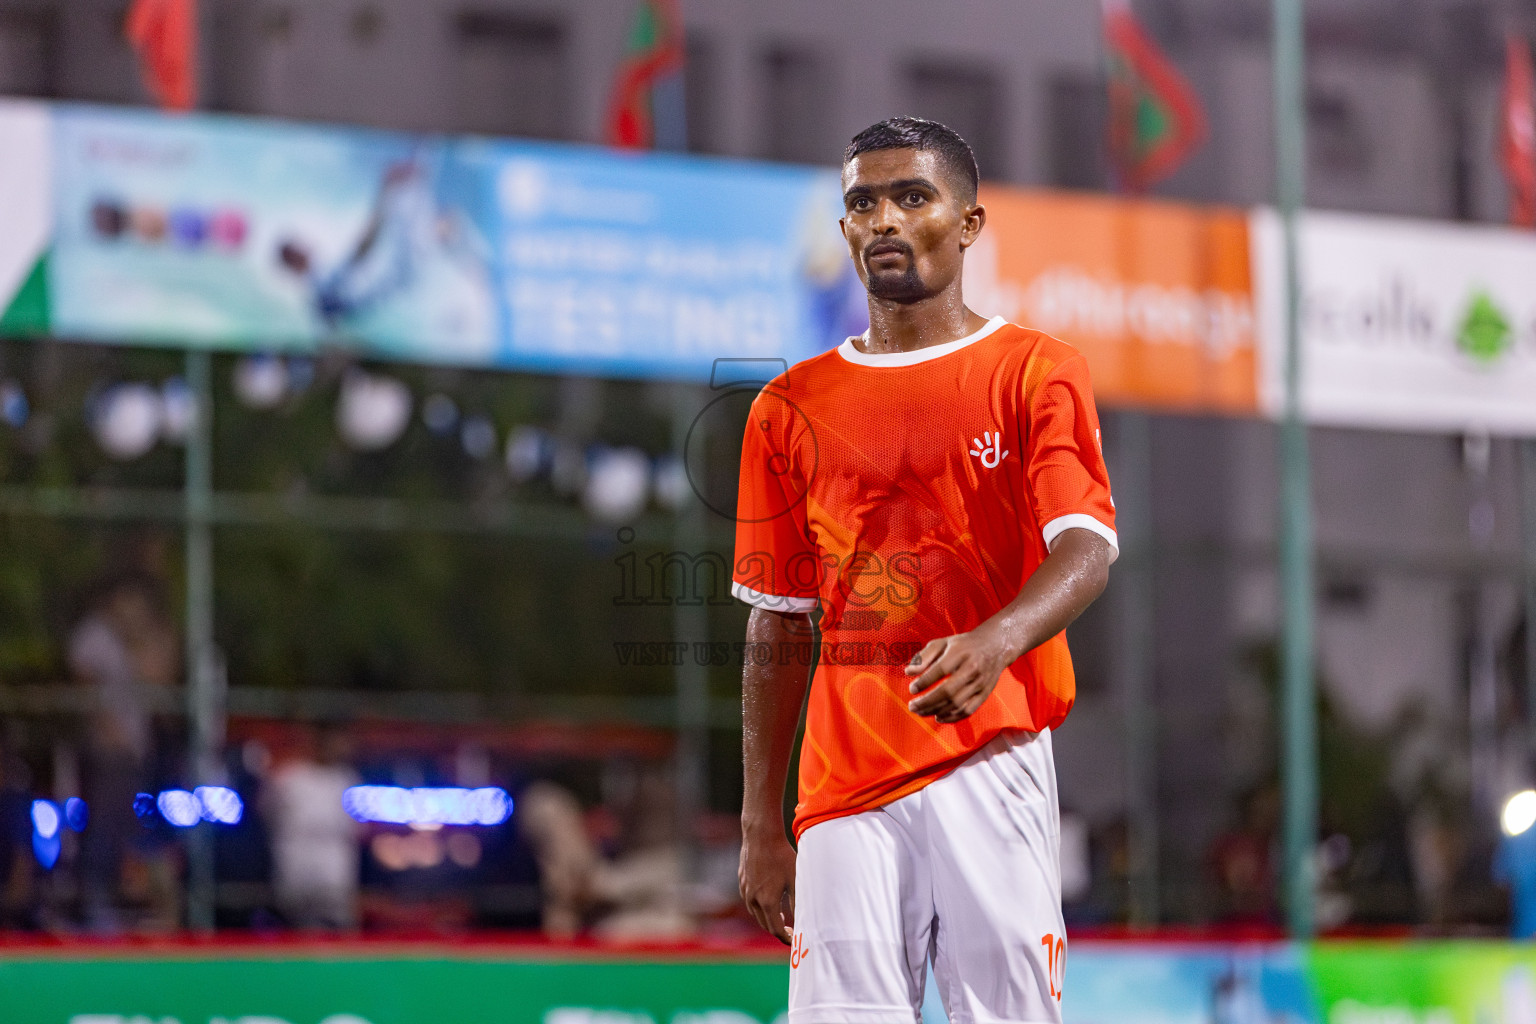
(772, 602)
(1080, 521)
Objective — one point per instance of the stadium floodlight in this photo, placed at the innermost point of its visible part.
(428, 806)
(1519, 812)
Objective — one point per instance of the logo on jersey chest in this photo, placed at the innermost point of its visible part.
(989, 448)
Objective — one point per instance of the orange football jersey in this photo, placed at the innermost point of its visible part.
(910, 495)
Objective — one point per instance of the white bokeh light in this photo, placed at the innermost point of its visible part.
(373, 411)
(1519, 812)
(617, 485)
(127, 420)
(45, 818)
(261, 381)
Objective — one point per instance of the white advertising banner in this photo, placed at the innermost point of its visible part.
(1406, 325)
(26, 188)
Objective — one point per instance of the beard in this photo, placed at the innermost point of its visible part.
(904, 286)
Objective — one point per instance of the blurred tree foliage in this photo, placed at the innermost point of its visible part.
(296, 605)
(1357, 799)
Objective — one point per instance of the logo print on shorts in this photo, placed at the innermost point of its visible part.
(990, 447)
(798, 952)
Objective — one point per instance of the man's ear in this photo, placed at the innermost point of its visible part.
(970, 227)
(842, 225)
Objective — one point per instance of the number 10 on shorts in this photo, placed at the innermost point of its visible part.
(1056, 962)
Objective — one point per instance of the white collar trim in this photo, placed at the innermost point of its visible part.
(922, 355)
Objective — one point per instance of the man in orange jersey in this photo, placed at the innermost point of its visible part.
(936, 487)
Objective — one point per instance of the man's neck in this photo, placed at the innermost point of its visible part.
(909, 326)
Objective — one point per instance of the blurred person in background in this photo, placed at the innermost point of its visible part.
(643, 892)
(1109, 848)
(1076, 860)
(123, 646)
(639, 894)
(549, 817)
(315, 843)
(1243, 861)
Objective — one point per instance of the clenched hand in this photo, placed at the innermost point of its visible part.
(966, 667)
(767, 876)
(969, 666)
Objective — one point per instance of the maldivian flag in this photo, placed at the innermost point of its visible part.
(164, 32)
(646, 110)
(1155, 119)
(1517, 131)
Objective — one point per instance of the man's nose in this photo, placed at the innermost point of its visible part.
(887, 218)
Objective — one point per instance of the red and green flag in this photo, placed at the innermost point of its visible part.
(1155, 118)
(164, 32)
(646, 110)
(1517, 134)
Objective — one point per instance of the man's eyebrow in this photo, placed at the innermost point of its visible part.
(891, 186)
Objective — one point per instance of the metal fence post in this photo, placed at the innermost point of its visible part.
(204, 707)
(690, 623)
(1298, 684)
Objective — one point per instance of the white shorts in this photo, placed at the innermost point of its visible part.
(965, 872)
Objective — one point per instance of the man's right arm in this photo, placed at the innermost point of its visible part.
(772, 694)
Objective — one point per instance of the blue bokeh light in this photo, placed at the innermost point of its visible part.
(179, 808)
(446, 805)
(46, 840)
(45, 819)
(46, 850)
(76, 814)
(219, 804)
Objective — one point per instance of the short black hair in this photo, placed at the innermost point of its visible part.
(920, 133)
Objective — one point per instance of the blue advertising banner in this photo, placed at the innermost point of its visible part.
(1108, 983)
(249, 234)
(640, 265)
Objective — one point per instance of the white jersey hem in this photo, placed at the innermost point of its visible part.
(772, 602)
(1080, 521)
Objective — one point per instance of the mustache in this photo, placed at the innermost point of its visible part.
(893, 243)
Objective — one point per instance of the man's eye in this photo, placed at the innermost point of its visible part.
(861, 204)
(914, 198)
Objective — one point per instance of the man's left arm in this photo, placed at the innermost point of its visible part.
(1067, 582)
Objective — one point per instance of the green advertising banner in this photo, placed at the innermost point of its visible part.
(1424, 983)
(1362, 982)
(318, 989)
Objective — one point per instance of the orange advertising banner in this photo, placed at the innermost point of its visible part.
(1158, 296)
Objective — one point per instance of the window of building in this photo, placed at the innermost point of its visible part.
(969, 100)
(700, 82)
(511, 76)
(28, 53)
(1077, 114)
(797, 118)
